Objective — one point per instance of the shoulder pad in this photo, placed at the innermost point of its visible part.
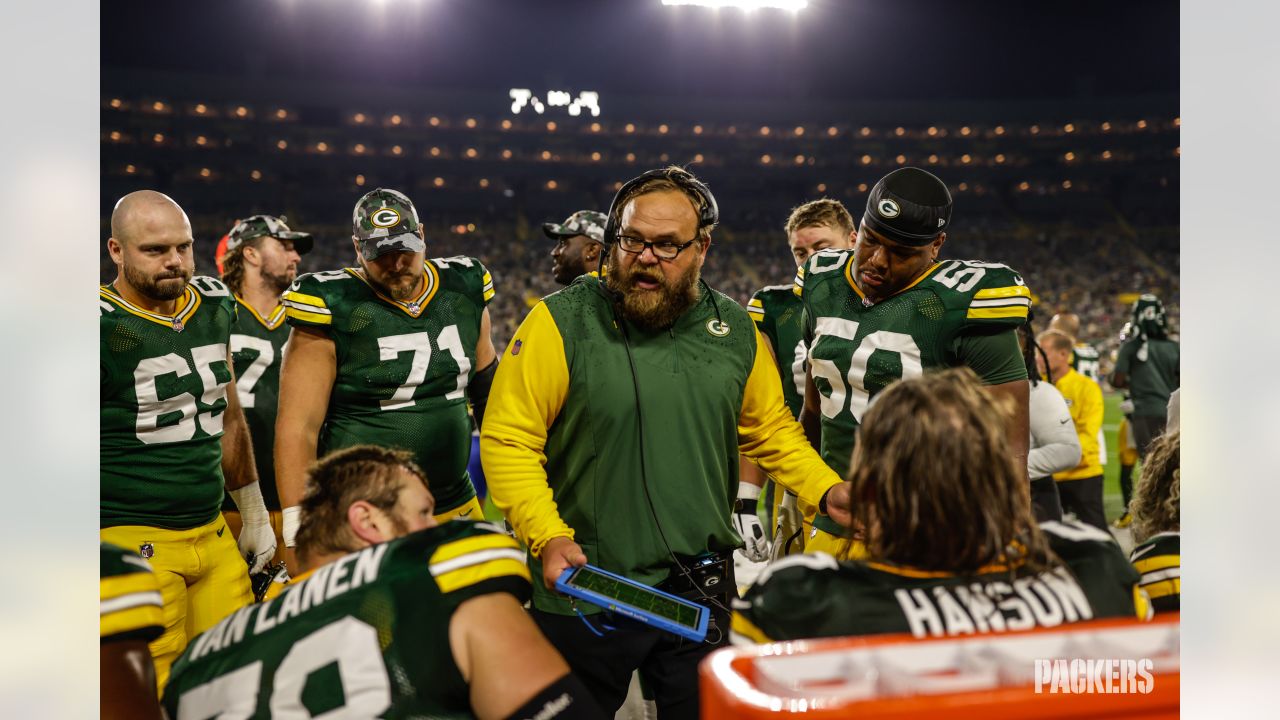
(768, 301)
(1074, 531)
(1161, 545)
(987, 292)
(210, 287)
(793, 564)
(469, 272)
(821, 267)
(309, 300)
(474, 553)
(129, 595)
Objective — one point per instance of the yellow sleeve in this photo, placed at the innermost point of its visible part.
(772, 438)
(1090, 397)
(528, 391)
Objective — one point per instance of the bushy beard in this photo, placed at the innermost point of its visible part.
(399, 287)
(279, 282)
(150, 286)
(656, 309)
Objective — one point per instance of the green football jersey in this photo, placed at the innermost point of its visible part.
(365, 636)
(1086, 361)
(129, 594)
(257, 346)
(777, 312)
(164, 391)
(815, 595)
(1152, 377)
(956, 313)
(403, 367)
(1159, 560)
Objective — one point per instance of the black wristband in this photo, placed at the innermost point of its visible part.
(564, 699)
(478, 391)
(743, 505)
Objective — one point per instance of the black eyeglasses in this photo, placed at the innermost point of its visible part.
(664, 250)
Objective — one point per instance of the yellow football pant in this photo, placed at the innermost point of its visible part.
(202, 579)
(469, 510)
(1125, 441)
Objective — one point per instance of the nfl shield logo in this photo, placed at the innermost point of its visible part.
(177, 325)
(147, 550)
(515, 350)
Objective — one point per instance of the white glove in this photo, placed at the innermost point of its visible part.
(747, 523)
(257, 541)
(1126, 406)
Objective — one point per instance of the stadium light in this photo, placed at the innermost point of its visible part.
(792, 5)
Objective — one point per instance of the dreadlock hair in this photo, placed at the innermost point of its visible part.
(339, 479)
(1027, 336)
(233, 264)
(927, 446)
(1156, 499)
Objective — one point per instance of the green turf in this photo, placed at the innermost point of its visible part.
(1111, 418)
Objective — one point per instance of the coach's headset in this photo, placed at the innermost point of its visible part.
(708, 216)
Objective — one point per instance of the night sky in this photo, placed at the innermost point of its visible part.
(834, 49)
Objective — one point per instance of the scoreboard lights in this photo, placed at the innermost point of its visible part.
(522, 98)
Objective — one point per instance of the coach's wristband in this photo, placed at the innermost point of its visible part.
(289, 527)
(248, 500)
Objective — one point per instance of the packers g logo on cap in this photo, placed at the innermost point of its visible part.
(385, 217)
(889, 208)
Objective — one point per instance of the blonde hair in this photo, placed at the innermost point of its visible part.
(820, 213)
(233, 266)
(1156, 499)
(930, 446)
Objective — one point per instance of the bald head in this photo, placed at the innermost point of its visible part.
(151, 246)
(146, 212)
(1067, 322)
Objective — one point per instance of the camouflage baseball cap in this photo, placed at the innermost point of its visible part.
(583, 222)
(270, 225)
(385, 221)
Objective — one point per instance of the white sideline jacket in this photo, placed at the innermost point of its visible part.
(1054, 444)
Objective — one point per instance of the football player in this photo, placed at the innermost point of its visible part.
(888, 309)
(927, 446)
(1147, 369)
(261, 261)
(1156, 524)
(812, 227)
(1084, 357)
(131, 615)
(386, 353)
(172, 432)
(393, 616)
(579, 242)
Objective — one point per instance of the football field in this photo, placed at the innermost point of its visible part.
(1111, 418)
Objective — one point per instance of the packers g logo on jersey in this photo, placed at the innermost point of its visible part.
(717, 328)
(385, 218)
(889, 208)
